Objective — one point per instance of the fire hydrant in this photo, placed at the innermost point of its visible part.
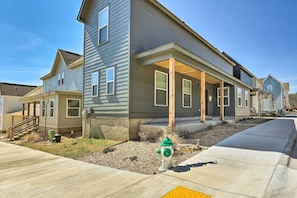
(166, 151)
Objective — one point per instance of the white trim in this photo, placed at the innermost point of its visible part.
(43, 106)
(52, 108)
(155, 89)
(218, 96)
(239, 95)
(183, 93)
(95, 84)
(111, 81)
(246, 98)
(107, 25)
(67, 108)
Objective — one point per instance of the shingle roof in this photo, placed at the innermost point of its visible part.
(69, 57)
(9, 89)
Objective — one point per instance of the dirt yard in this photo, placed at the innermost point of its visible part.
(141, 157)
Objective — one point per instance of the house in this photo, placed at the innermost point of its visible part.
(255, 94)
(143, 64)
(10, 95)
(286, 90)
(60, 97)
(278, 94)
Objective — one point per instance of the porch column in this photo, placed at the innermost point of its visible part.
(28, 111)
(202, 99)
(23, 111)
(222, 110)
(171, 92)
(34, 109)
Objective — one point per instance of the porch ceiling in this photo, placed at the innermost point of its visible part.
(188, 71)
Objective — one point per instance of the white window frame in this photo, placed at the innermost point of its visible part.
(189, 94)
(59, 78)
(246, 98)
(156, 88)
(239, 96)
(110, 81)
(228, 96)
(52, 108)
(62, 78)
(76, 108)
(43, 108)
(269, 88)
(102, 26)
(95, 84)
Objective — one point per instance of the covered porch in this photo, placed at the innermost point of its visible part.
(176, 59)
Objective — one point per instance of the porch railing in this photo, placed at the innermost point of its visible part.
(28, 125)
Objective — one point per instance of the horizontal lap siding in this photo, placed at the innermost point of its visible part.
(149, 29)
(114, 53)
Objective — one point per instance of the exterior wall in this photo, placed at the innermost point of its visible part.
(243, 110)
(276, 103)
(10, 104)
(46, 122)
(229, 110)
(151, 28)
(244, 77)
(113, 53)
(73, 79)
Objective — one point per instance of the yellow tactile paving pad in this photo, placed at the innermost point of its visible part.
(183, 192)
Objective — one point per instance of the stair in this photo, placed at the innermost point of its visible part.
(23, 128)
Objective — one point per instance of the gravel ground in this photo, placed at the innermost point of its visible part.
(141, 157)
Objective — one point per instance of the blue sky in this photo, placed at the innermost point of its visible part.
(260, 35)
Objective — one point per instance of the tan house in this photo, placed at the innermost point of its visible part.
(60, 96)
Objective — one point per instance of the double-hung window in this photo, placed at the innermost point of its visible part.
(52, 105)
(95, 76)
(269, 88)
(110, 75)
(239, 96)
(73, 107)
(161, 89)
(226, 97)
(61, 78)
(246, 96)
(187, 93)
(43, 108)
(103, 25)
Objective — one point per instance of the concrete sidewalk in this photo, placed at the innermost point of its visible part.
(258, 162)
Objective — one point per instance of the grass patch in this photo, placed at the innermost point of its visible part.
(71, 148)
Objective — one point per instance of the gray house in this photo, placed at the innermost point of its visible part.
(142, 63)
(278, 94)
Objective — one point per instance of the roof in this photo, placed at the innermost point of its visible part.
(67, 57)
(9, 89)
(86, 4)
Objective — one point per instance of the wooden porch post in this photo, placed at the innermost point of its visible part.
(202, 99)
(171, 92)
(23, 111)
(222, 110)
(34, 109)
(28, 111)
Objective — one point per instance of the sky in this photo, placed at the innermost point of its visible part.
(260, 35)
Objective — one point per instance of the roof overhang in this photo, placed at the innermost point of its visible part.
(76, 63)
(162, 53)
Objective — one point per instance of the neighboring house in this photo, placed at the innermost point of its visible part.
(142, 63)
(60, 97)
(10, 95)
(257, 97)
(275, 89)
(286, 90)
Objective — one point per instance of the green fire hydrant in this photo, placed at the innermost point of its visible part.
(166, 151)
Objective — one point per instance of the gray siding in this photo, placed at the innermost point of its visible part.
(230, 110)
(114, 53)
(247, 79)
(276, 103)
(151, 28)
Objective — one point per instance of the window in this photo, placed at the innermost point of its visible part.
(161, 88)
(52, 104)
(269, 88)
(61, 78)
(226, 96)
(187, 93)
(43, 108)
(239, 96)
(246, 96)
(103, 20)
(95, 76)
(73, 107)
(110, 81)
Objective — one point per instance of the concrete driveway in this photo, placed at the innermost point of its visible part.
(258, 162)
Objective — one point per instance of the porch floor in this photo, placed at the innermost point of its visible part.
(181, 124)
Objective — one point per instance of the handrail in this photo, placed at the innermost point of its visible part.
(13, 128)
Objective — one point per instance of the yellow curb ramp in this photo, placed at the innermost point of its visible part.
(181, 191)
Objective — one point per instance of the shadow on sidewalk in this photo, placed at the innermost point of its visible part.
(188, 167)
